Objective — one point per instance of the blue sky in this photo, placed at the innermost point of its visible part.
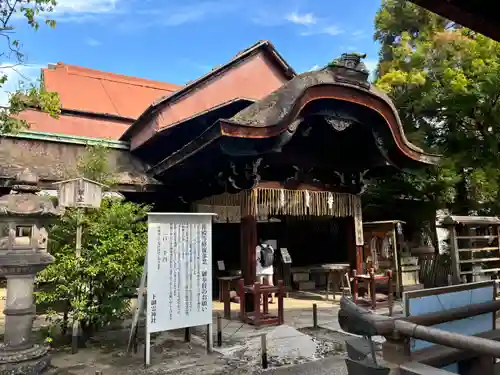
(178, 40)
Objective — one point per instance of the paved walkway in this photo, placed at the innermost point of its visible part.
(298, 314)
(110, 357)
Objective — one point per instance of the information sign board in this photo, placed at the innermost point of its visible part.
(179, 271)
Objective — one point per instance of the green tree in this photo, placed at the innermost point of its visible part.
(445, 82)
(30, 96)
(96, 287)
(94, 165)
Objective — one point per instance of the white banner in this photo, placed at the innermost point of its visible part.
(179, 271)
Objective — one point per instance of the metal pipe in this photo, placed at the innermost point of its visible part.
(450, 339)
(351, 315)
(457, 313)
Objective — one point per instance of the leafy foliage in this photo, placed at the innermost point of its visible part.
(94, 288)
(445, 81)
(29, 96)
(94, 165)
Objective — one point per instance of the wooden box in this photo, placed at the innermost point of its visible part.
(80, 192)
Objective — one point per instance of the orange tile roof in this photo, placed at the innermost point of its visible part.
(74, 125)
(90, 90)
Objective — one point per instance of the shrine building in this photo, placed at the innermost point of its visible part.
(273, 153)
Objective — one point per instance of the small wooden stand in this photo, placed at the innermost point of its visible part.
(224, 293)
(372, 281)
(258, 292)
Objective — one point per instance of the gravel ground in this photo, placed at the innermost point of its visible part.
(328, 343)
(333, 341)
(171, 355)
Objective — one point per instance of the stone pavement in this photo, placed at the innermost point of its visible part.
(171, 355)
(298, 314)
(327, 366)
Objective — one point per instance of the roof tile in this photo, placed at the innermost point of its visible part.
(74, 125)
(90, 90)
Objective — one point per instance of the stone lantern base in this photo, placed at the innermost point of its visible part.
(31, 361)
(18, 354)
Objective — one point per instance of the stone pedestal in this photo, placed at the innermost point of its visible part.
(23, 253)
(18, 354)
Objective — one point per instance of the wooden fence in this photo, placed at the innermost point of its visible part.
(434, 270)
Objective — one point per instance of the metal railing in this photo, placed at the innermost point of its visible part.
(360, 321)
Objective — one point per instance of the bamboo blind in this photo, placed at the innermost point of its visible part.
(268, 202)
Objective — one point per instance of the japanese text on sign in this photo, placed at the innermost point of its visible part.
(179, 274)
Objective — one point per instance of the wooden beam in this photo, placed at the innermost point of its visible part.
(7, 182)
(293, 185)
(454, 13)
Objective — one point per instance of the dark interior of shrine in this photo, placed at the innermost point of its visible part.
(309, 240)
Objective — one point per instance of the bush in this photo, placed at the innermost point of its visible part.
(95, 287)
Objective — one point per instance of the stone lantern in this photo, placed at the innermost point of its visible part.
(23, 253)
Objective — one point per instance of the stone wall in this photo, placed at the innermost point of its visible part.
(54, 161)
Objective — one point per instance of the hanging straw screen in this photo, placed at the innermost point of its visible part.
(265, 202)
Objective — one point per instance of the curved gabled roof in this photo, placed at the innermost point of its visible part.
(273, 115)
(270, 123)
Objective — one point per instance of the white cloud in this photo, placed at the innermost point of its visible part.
(301, 19)
(84, 11)
(371, 65)
(332, 30)
(359, 34)
(92, 42)
(328, 30)
(194, 12)
(86, 6)
(313, 25)
(315, 67)
(20, 76)
(184, 16)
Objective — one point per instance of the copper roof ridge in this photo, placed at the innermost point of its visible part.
(287, 70)
(219, 69)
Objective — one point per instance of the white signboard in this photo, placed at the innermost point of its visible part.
(179, 271)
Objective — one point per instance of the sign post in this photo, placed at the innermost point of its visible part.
(179, 273)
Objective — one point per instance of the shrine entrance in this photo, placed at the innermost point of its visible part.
(300, 156)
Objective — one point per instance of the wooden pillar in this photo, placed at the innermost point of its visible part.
(355, 252)
(249, 239)
(455, 261)
(359, 260)
(248, 244)
(358, 234)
